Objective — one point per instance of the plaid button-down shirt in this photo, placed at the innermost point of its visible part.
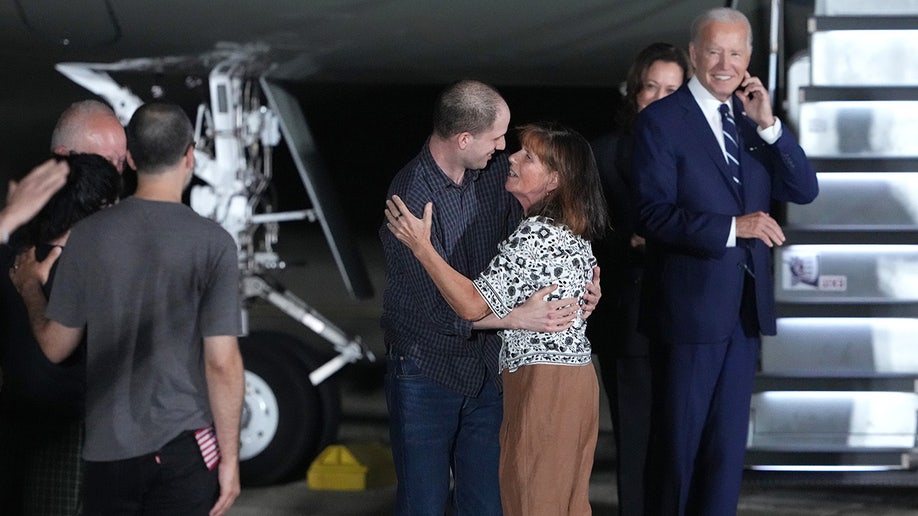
(469, 221)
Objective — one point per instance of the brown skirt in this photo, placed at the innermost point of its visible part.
(548, 439)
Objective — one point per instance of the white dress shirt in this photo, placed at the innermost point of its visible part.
(710, 108)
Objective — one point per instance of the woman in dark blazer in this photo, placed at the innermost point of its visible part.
(658, 70)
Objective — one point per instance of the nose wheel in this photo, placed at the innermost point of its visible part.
(260, 416)
(286, 420)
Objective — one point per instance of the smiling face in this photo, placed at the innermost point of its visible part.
(661, 79)
(481, 147)
(721, 56)
(529, 179)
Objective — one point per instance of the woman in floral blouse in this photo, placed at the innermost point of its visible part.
(551, 394)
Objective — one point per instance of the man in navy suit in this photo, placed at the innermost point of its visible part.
(709, 281)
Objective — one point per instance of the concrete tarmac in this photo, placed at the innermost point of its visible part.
(311, 275)
(365, 420)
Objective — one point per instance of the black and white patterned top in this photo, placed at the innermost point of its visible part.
(539, 253)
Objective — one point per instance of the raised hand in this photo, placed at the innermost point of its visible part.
(756, 101)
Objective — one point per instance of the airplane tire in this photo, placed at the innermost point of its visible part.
(329, 396)
(286, 420)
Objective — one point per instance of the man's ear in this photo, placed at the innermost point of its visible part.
(464, 139)
(189, 157)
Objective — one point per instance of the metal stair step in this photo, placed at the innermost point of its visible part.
(881, 383)
(865, 347)
(864, 57)
(837, 129)
(862, 8)
(857, 93)
(860, 164)
(816, 24)
(853, 234)
(838, 274)
(866, 200)
(833, 420)
(847, 309)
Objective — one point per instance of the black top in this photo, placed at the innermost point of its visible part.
(32, 385)
(612, 328)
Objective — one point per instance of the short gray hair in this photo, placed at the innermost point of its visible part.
(723, 15)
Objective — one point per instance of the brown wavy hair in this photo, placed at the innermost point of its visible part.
(578, 201)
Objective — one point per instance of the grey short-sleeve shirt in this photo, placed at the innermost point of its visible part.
(148, 280)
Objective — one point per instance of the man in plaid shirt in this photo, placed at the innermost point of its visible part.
(442, 385)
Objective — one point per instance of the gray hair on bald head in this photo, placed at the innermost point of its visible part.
(72, 122)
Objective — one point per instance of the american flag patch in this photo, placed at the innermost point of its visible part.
(207, 442)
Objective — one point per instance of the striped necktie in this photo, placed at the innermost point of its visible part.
(730, 142)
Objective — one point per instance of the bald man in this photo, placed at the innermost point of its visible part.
(41, 422)
(90, 127)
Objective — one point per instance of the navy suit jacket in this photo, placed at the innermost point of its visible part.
(687, 199)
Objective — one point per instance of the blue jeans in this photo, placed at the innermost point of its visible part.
(433, 431)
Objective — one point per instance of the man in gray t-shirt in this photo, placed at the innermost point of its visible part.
(155, 289)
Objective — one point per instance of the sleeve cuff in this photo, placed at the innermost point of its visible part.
(770, 134)
(731, 239)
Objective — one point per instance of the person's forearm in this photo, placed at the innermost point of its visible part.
(456, 289)
(226, 389)
(36, 303)
(491, 322)
(7, 226)
(28, 275)
(56, 341)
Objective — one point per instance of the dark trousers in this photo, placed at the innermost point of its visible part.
(173, 480)
(435, 431)
(628, 385)
(40, 466)
(624, 360)
(700, 419)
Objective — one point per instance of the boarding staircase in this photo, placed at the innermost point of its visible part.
(838, 387)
